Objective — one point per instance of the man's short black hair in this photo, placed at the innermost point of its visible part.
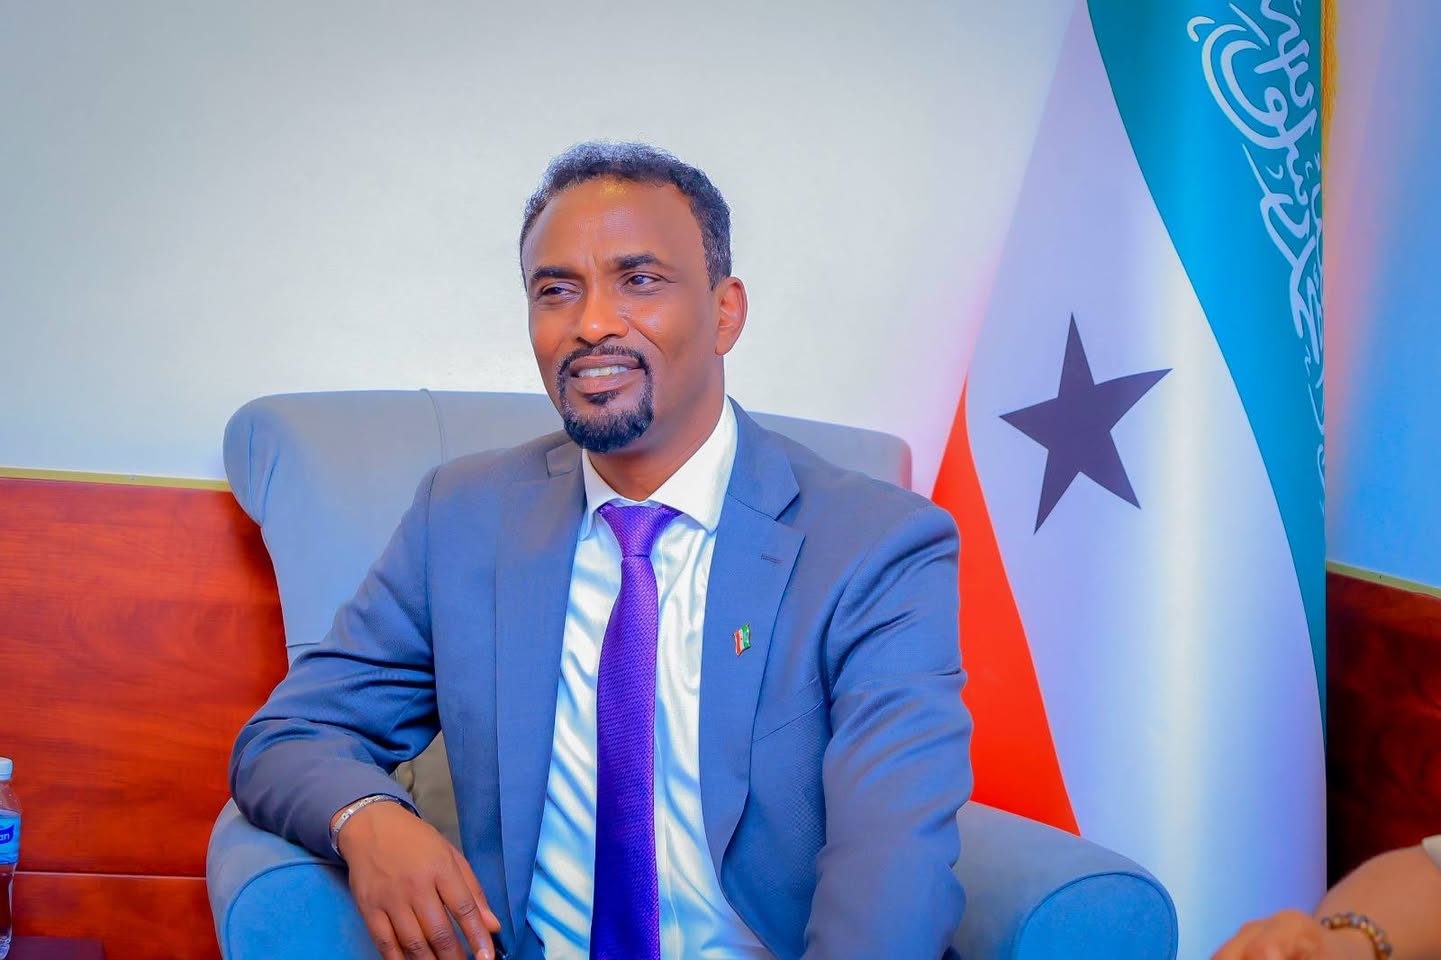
(641, 163)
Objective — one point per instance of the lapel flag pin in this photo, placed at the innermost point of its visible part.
(743, 639)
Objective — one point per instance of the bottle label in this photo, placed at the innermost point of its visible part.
(9, 839)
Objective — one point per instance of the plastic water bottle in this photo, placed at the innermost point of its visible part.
(9, 849)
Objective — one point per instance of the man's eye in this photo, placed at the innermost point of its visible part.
(641, 280)
(550, 290)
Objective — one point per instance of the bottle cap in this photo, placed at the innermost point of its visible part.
(7, 768)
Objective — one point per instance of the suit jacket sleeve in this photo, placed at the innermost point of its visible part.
(897, 768)
(352, 707)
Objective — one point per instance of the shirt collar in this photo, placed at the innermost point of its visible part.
(697, 489)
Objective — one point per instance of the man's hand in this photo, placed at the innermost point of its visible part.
(408, 881)
(1293, 935)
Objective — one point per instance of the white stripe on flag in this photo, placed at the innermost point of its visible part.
(1170, 641)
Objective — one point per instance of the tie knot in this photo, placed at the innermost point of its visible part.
(636, 528)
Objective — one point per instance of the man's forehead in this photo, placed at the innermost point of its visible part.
(597, 214)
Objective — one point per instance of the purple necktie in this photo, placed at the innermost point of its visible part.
(625, 919)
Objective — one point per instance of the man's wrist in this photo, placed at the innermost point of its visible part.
(343, 815)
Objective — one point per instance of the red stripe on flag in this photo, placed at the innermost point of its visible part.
(1012, 752)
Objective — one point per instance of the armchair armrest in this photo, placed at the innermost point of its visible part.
(1036, 893)
(272, 899)
(1033, 893)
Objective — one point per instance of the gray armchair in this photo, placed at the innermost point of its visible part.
(327, 476)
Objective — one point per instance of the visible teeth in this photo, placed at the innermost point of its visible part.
(601, 371)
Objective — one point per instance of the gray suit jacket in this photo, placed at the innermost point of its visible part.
(834, 752)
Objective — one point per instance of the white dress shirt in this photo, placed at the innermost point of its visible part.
(695, 918)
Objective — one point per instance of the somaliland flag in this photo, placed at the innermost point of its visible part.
(1136, 463)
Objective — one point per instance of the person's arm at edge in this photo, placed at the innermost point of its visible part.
(897, 768)
(1401, 892)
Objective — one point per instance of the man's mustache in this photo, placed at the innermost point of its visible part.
(603, 350)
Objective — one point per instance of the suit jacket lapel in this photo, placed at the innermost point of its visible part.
(750, 566)
(532, 592)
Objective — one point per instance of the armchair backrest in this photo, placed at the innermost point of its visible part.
(328, 475)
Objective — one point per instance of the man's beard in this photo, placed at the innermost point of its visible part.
(611, 429)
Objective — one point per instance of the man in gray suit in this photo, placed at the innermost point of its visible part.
(700, 689)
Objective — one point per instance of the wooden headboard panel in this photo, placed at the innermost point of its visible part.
(1383, 763)
(139, 628)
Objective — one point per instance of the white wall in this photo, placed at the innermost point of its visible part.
(1383, 342)
(205, 202)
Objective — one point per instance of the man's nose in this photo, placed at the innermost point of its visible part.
(601, 319)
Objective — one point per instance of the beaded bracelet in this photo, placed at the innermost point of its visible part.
(1359, 921)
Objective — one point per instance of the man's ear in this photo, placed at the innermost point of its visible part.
(731, 302)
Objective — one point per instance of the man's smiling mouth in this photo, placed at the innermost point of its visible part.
(603, 371)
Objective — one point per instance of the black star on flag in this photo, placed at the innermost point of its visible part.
(1075, 427)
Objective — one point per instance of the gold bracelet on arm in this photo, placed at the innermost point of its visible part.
(1359, 921)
